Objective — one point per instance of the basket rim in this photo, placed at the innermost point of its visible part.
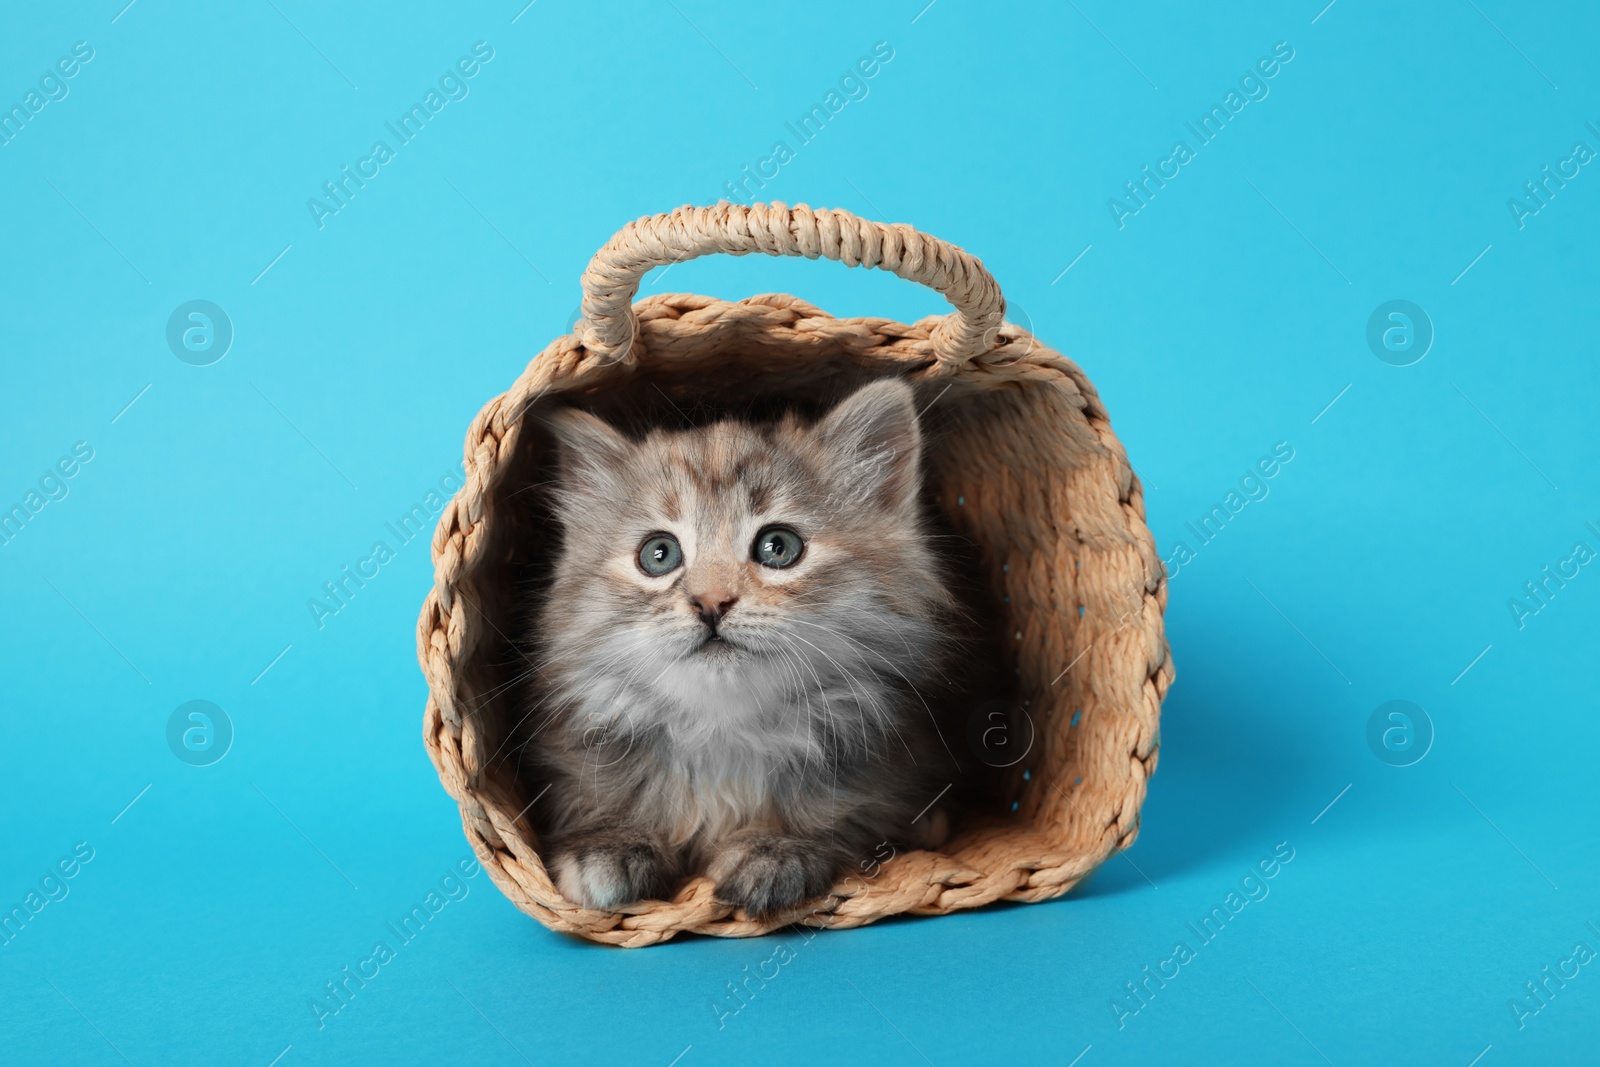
(928, 882)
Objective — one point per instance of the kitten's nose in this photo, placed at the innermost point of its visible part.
(712, 606)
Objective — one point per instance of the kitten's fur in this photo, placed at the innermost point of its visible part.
(775, 756)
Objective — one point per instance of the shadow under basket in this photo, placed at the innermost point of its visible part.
(1019, 459)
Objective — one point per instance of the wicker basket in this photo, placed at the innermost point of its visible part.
(1023, 463)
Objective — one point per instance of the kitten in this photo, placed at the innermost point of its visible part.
(742, 626)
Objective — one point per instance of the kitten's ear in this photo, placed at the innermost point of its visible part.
(873, 444)
(591, 450)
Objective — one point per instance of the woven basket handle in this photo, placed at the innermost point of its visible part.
(609, 326)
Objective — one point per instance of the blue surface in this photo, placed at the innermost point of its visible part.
(1229, 313)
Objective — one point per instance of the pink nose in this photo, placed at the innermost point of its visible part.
(712, 606)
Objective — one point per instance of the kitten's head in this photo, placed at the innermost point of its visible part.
(734, 565)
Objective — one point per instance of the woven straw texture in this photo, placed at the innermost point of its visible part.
(1020, 458)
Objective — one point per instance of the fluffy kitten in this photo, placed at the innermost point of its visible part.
(742, 626)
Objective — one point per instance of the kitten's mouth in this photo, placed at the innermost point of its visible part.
(716, 645)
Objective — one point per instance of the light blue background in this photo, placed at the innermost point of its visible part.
(1222, 318)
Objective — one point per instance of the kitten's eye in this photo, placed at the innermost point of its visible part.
(660, 554)
(778, 547)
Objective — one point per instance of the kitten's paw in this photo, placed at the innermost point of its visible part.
(607, 872)
(767, 873)
(930, 831)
